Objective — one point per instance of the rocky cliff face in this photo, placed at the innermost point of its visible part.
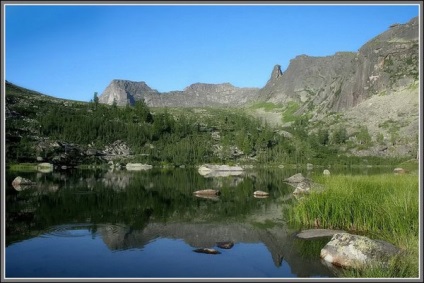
(204, 95)
(124, 91)
(385, 64)
(195, 95)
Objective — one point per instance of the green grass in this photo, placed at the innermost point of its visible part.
(382, 207)
(291, 108)
(23, 167)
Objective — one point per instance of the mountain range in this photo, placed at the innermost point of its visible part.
(382, 66)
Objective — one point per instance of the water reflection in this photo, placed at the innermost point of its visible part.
(132, 210)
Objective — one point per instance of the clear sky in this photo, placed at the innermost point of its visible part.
(72, 51)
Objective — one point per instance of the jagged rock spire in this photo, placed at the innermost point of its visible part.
(276, 72)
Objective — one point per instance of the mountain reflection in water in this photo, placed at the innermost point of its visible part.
(134, 210)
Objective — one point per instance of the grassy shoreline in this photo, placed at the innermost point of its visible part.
(384, 206)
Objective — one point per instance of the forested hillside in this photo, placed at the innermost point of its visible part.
(41, 128)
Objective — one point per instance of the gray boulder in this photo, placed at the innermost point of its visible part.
(399, 170)
(354, 251)
(297, 178)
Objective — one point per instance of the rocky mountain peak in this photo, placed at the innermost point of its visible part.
(276, 72)
(125, 92)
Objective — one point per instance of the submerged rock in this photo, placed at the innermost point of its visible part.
(353, 251)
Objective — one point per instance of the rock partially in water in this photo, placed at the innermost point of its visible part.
(302, 188)
(354, 251)
(225, 245)
(207, 251)
(211, 170)
(302, 184)
(138, 166)
(207, 192)
(45, 167)
(296, 178)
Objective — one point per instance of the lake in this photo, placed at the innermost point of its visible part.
(148, 224)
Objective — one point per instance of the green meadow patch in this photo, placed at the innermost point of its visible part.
(384, 206)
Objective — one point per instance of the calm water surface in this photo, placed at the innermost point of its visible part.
(138, 224)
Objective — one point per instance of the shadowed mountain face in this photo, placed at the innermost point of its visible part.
(383, 65)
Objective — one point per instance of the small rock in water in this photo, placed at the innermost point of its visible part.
(209, 192)
(207, 251)
(225, 245)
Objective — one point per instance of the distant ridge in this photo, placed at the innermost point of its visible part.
(383, 65)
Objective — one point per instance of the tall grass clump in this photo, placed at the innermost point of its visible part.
(382, 207)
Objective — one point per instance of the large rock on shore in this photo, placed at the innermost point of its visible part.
(354, 251)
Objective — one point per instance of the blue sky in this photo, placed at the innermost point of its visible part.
(70, 51)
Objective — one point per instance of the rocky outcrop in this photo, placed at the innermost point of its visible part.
(205, 95)
(117, 149)
(353, 251)
(341, 81)
(125, 92)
